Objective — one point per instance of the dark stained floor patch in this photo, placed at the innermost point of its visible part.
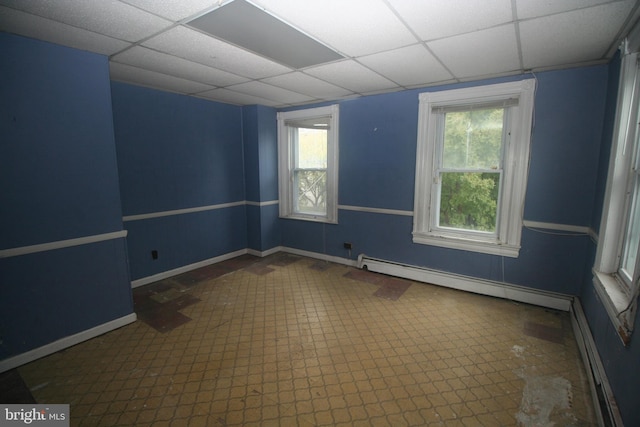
(259, 269)
(181, 302)
(166, 296)
(158, 304)
(13, 390)
(187, 279)
(392, 289)
(281, 259)
(163, 314)
(163, 320)
(239, 262)
(543, 332)
(364, 276)
(320, 266)
(263, 266)
(208, 272)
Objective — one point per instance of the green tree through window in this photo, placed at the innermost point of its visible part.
(472, 159)
(471, 169)
(310, 174)
(308, 164)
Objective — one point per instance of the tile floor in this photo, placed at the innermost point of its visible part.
(292, 341)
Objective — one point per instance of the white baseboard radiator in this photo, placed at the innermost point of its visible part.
(604, 402)
(492, 288)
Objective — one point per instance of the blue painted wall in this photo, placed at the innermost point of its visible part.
(59, 181)
(178, 152)
(565, 150)
(574, 116)
(260, 140)
(378, 150)
(50, 295)
(620, 362)
(377, 169)
(58, 174)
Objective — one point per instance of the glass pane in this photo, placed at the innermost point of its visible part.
(469, 201)
(311, 150)
(473, 139)
(311, 188)
(632, 239)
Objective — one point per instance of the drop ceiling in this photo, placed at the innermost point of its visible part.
(319, 50)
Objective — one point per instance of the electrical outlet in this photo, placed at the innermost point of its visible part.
(154, 254)
(347, 245)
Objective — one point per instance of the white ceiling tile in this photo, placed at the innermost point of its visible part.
(351, 75)
(175, 10)
(535, 8)
(108, 17)
(237, 98)
(138, 76)
(408, 66)
(24, 24)
(197, 47)
(267, 91)
(142, 57)
(302, 83)
(438, 19)
(354, 27)
(379, 92)
(572, 37)
(464, 40)
(482, 53)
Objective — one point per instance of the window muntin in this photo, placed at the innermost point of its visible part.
(616, 270)
(308, 163)
(310, 170)
(491, 169)
(469, 172)
(628, 268)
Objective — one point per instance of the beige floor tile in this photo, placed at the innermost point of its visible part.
(294, 345)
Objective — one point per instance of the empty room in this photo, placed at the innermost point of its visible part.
(319, 213)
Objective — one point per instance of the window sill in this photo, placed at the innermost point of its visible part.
(615, 301)
(482, 246)
(311, 218)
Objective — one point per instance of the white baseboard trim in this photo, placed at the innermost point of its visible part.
(185, 268)
(322, 257)
(537, 297)
(66, 342)
(263, 254)
(595, 370)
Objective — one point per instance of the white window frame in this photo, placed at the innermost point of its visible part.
(286, 164)
(506, 240)
(619, 298)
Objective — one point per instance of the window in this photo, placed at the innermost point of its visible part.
(471, 167)
(308, 164)
(617, 269)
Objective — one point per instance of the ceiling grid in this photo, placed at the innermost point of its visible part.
(286, 52)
